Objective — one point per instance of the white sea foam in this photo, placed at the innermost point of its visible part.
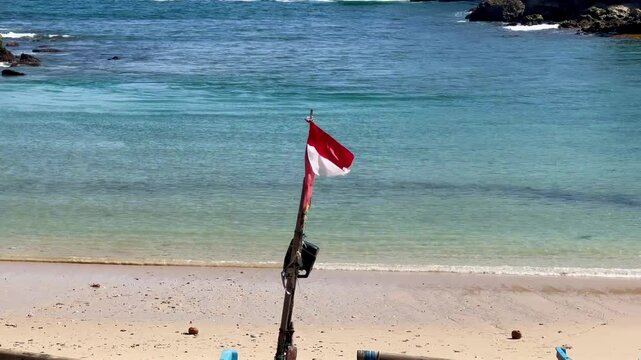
(461, 21)
(4, 64)
(57, 35)
(372, 1)
(12, 35)
(532, 27)
(496, 270)
(461, 269)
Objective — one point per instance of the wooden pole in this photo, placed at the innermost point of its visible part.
(290, 272)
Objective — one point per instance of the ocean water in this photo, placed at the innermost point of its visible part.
(478, 147)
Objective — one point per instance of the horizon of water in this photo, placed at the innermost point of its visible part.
(478, 148)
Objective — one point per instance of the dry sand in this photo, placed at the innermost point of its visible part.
(142, 312)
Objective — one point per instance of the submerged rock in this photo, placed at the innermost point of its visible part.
(497, 10)
(46, 50)
(11, 44)
(29, 60)
(8, 72)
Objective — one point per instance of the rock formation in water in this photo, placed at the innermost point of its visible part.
(606, 17)
(8, 72)
(5, 55)
(616, 19)
(26, 59)
(497, 10)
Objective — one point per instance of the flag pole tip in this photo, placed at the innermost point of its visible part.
(310, 118)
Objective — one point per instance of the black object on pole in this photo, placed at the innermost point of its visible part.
(286, 350)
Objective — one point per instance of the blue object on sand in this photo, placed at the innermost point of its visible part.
(370, 355)
(561, 353)
(229, 355)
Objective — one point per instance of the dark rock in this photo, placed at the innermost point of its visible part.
(632, 24)
(497, 10)
(534, 19)
(516, 334)
(192, 331)
(8, 72)
(11, 44)
(592, 16)
(557, 10)
(26, 59)
(114, 58)
(46, 50)
(569, 24)
(613, 19)
(5, 55)
(95, 285)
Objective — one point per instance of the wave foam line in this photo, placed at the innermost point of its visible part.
(494, 270)
(460, 269)
(12, 35)
(532, 27)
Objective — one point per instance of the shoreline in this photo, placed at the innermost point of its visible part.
(142, 312)
(502, 270)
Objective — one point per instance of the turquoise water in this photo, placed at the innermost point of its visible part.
(477, 148)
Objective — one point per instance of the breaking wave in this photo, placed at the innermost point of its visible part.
(13, 35)
(532, 27)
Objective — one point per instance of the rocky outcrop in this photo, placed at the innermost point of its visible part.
(557, 10)
(608, 16)
(497, 10)
(8, 72)
(617, 19)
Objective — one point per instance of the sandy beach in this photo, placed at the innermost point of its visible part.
(143, 312)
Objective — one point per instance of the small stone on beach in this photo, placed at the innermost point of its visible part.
(516, 334)
(95, 286)
(192, 331)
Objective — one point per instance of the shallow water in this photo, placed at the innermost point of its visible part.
(477, 148)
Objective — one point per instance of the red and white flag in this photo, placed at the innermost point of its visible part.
(324, 156)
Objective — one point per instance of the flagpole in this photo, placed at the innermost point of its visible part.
(286, 350)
